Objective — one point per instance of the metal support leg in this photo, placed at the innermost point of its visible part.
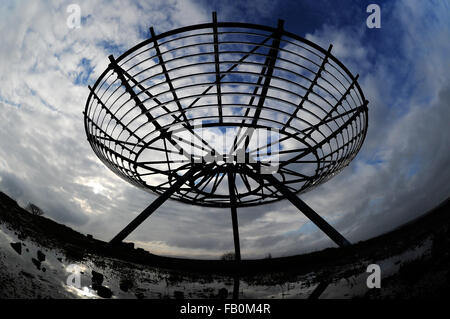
(236, 287)
(308, 211)
(153, 206)
(303, 207)
(315, 218)
(231, 186)
(319, 290)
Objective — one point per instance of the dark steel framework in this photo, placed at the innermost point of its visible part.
(142, 118)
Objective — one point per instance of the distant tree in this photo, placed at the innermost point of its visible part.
(268, 256)
(34, 210)
(228, 256)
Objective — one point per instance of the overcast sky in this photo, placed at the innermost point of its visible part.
(401, 171)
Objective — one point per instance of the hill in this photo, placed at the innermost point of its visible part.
(426, 239)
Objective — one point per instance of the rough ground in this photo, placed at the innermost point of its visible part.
(38, 256)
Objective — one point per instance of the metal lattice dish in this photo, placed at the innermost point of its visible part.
(234, 98)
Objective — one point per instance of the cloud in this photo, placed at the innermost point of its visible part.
(45, 67)
(400, 172)
(44, 72)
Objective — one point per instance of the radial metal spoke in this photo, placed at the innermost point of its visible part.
(141, 125)
(219, 180)
(327, 120)
(242, 59)
(164, 107)
(95, 138)
(310, 89)
(167, 76)
(217, 66)
(326, 140)
(269, 64)
(343, 97)
(236, 143)
(205, 180)
(121, 142)
(245, 181)
(305, 132)
(120, 73)
(113, 116)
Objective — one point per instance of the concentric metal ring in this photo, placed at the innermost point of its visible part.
(226, 89)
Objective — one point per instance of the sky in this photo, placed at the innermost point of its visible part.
(401, 171)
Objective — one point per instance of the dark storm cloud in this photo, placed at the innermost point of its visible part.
(55, 208)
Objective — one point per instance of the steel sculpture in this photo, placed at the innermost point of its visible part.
(226, 114)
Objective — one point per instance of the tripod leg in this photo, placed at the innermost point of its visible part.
(303, 207)
(308, 211)
(319, 290)
(236, 287)
(231, 186)
(153, 206)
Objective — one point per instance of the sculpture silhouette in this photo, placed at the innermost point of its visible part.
(226, 114)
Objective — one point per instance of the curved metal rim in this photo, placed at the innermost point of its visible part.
(244, 26)
(228, 24)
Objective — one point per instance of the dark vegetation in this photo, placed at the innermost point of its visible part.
(34, 210)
